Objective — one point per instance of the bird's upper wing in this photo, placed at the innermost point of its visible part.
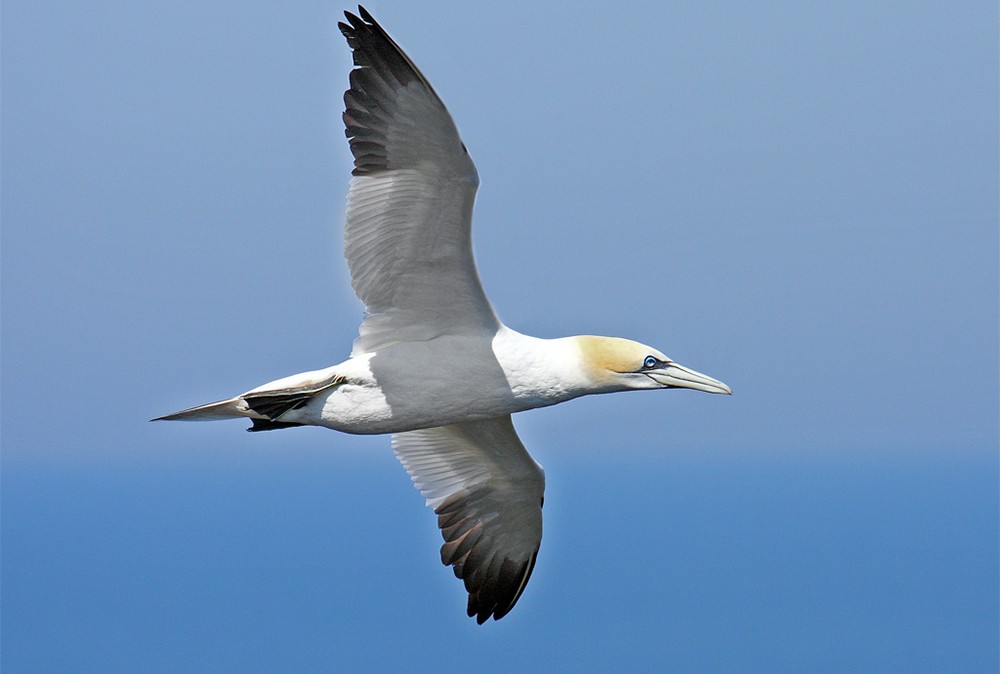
(407, 237)
(487, 493)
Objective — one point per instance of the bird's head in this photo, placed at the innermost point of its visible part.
(616, 364)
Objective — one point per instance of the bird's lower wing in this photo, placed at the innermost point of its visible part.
(487, 493)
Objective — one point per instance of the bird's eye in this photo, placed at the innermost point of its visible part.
(650, 362)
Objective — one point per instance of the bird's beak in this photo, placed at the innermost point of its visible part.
(672, 375)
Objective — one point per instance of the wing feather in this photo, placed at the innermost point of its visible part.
(487, 493)
(407, 237)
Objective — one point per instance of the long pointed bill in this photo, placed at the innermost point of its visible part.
(672, 375)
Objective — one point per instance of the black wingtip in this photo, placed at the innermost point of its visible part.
(366, 15)
(497, 599)
(352, 25)
(474, 610)
(362, 17)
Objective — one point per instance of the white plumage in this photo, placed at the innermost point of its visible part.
(432, 363)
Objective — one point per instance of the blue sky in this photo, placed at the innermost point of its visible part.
(798, 200)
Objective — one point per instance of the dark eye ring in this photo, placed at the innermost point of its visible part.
(650, 362)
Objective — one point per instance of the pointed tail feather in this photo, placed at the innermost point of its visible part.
(234, 408)
(261, 404)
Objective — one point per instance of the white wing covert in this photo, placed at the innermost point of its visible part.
(407, 237)
(487, 493)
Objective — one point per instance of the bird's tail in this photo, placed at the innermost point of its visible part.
(234, 408)
(264, 405)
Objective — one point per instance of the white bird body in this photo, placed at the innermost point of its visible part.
(433, 365)
(485, 378)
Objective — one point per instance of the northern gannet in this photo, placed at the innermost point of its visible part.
(433, 365)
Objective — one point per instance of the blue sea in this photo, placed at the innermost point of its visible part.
(252, 560)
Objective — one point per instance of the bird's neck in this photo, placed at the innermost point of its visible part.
(543, 371)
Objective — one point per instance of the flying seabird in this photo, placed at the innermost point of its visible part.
(433, 365)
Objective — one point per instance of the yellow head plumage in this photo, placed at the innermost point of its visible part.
(604, 357)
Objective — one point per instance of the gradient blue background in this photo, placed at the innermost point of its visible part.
(797, 198)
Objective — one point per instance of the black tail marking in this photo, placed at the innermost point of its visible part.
(268, 425)
(272, 404)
